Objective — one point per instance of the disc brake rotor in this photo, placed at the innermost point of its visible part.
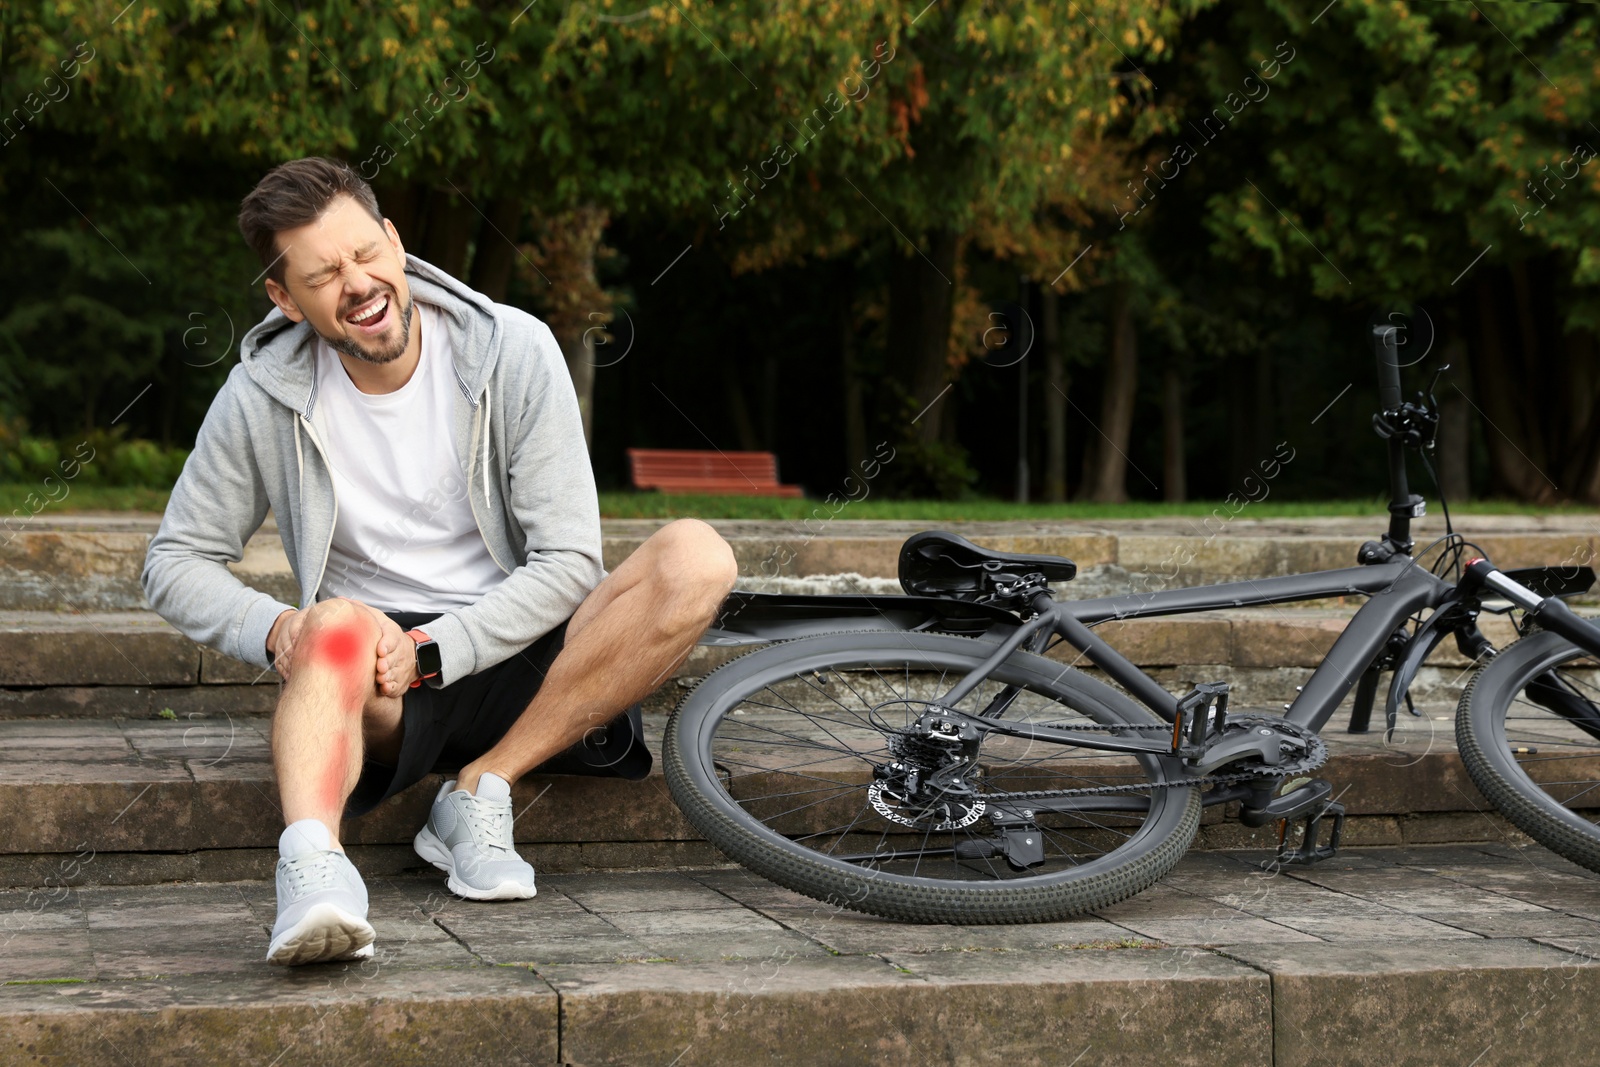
(957, 812)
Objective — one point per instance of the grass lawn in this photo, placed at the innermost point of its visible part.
(630, 505)
(656, 506)
(81, 496)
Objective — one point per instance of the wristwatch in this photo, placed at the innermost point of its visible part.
(428, 660)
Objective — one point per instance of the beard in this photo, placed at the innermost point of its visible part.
(386, 353)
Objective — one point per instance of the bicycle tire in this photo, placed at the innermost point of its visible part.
(1530, 763)
(722, 806)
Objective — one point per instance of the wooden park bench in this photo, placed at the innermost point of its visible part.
(679, 471)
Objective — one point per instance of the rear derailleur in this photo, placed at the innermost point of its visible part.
(926, 785)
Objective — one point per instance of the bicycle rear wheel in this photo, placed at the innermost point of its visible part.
(803, 761)
(1528, 728)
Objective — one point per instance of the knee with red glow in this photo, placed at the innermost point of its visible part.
(350, 650)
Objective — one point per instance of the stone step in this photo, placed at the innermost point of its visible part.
(134, 664)
(151, 801)
(1467, 955)
(93, 563)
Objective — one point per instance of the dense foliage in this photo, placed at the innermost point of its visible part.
(1142, 238)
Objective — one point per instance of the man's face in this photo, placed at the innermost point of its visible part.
(345, 275)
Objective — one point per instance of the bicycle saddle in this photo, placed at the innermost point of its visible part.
(935, 563)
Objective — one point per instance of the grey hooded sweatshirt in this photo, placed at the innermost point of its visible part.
(529, 482)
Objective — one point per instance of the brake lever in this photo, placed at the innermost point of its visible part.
(1433, 401)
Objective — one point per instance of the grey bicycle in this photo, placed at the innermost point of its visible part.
(922, 758)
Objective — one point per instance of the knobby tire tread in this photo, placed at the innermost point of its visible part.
(947, 903)
(1527, 807)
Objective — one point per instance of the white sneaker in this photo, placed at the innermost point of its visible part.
(322, 902)
(469, 837)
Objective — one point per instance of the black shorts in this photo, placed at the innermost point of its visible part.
(445, 729)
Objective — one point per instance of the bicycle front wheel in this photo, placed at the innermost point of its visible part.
(1528, 728)
(811, 763)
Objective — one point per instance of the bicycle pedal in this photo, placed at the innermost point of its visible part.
(1291, 805)
(1308, 851)
(1202, 715)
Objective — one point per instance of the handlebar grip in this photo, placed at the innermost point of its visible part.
(1386, 346)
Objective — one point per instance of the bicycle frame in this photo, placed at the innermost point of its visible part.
(1395, 592)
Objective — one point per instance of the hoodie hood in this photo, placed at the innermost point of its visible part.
(280, 355)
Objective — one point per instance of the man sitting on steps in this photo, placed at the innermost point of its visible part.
(422, 451)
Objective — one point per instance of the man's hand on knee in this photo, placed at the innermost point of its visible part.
(397, 656)
(281, 640)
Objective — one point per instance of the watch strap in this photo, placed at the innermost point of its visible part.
(419, 636)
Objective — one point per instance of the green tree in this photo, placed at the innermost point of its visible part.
(1440, 153)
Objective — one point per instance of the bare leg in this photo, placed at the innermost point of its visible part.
(328, 711)
(626, 637)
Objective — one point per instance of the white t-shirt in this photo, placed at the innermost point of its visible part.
(404, 538)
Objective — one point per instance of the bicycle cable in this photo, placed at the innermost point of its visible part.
(1444, 504)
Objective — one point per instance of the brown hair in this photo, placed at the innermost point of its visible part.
(294, 194)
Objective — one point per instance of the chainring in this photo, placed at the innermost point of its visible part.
(1315, 749)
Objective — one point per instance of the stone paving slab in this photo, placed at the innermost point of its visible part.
(718, 966)
(1476, 1001)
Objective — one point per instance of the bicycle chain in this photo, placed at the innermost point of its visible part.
(1316, 755)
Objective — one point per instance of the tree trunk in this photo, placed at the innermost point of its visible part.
(492, 259)
(1515, 456)
(450, 227)
(1025, 433)
(1241, 428)
(1579, 474)
(921, 295)
(576, 307)
(1455, 427)
(1055, 399)
(855, 420)
(739, 409)
(1109, 482)
(402, 205)
(169, 396)
(1173, 477)
(1262, 415)
(769, 402)
(1091, 453)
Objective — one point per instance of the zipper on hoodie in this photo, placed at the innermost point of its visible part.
(322, 568)
(472, 459)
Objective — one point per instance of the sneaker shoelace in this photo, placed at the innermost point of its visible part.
(310, 873)
(491, 821)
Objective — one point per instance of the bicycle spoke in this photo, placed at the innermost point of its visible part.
(829, 756)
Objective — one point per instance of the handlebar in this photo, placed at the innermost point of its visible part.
(1386, 345)
(1548, 611)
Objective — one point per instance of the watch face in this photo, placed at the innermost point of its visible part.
(428, 659)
